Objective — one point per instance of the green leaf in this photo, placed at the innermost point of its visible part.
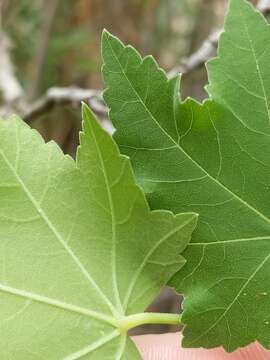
(80, 251)
(212, 159)
(240, 76)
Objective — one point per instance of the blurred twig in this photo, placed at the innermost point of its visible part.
(64, 96)
(12, 93)
(67, 96)
(198, 58)
(264, 6)
(10, 88)
(49, 11)
(209, 47)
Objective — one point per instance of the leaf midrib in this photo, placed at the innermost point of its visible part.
(231, 241)
(58, 304)
(265, 218)
(113, 225)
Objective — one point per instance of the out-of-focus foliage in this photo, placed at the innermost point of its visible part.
(165, 28)
(57, 43)
(21, 20)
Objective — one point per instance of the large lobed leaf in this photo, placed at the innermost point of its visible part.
(212, 159)
(79, 248)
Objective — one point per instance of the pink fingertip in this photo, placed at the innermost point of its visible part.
(167, 347)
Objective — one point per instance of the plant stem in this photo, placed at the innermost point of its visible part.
(129, 322)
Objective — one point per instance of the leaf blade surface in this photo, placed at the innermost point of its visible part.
(72, 235)
(211, 159)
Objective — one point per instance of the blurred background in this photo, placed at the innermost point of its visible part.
(56, 43)
(50, 61)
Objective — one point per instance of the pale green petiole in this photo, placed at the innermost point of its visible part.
(130, 322)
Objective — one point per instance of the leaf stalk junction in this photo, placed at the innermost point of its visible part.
(129, 322)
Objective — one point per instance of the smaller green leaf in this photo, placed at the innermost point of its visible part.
(80, 251)
(239, 78)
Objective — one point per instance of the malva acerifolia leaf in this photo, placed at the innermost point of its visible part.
(80, 252)
(211, 158)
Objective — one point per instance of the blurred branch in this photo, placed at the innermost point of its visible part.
(49, 12)
(10, 88)
(209, 47)
(264, 6)
(59, 96)
(65, 96)
(11, 91)
(207, 51)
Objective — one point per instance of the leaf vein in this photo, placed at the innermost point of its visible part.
(57, 234)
